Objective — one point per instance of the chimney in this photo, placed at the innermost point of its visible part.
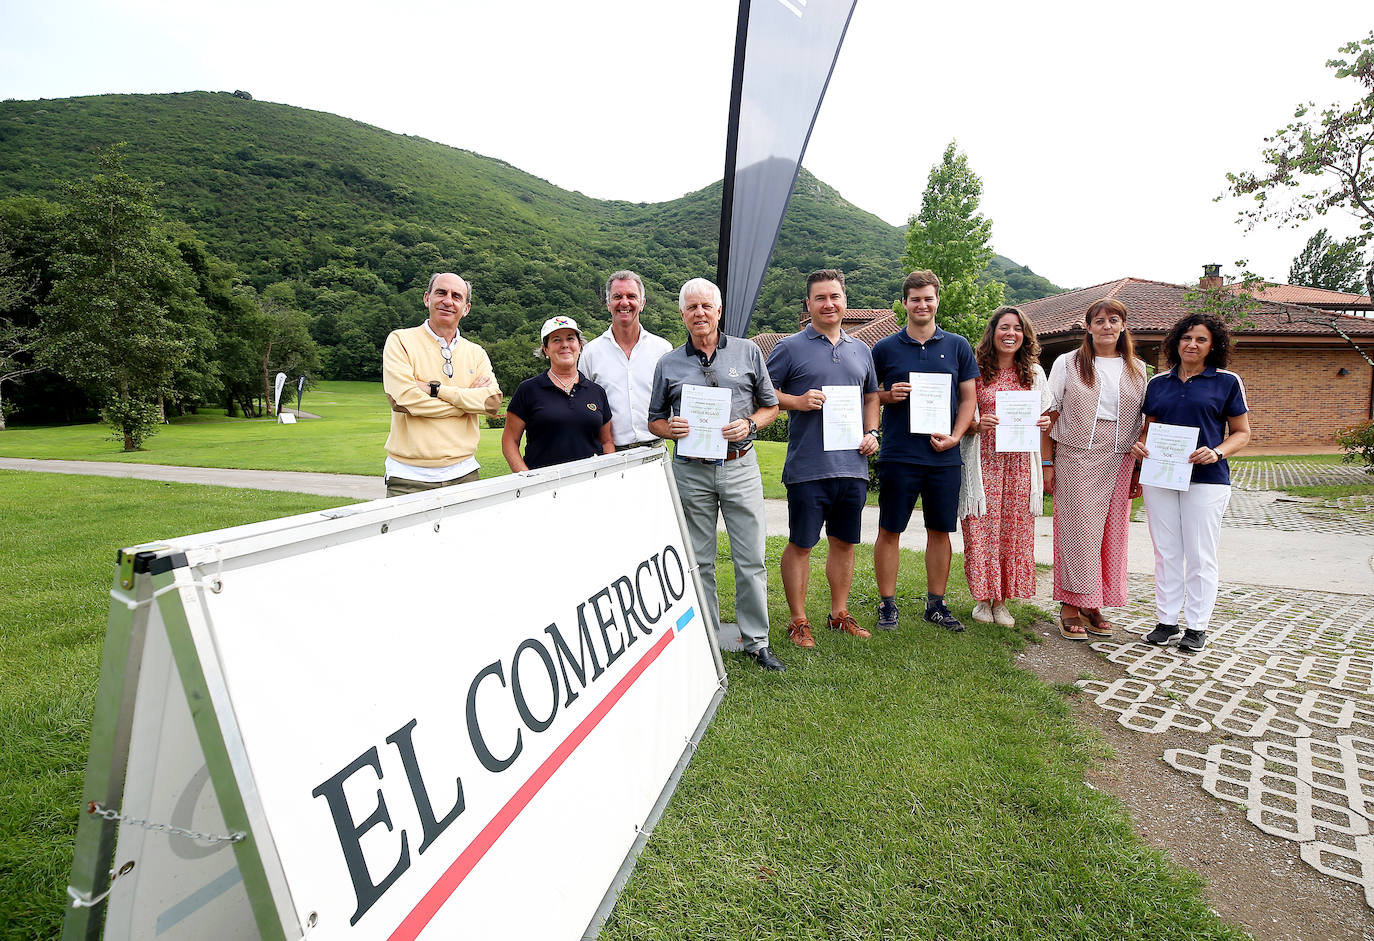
(1211, 278)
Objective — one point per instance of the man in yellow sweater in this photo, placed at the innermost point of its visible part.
(439, 385)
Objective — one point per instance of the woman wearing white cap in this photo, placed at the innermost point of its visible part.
(563, 414)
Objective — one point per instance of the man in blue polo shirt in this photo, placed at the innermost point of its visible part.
(920, 465)
(823, 486)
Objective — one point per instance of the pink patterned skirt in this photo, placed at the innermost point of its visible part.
(1092, 515)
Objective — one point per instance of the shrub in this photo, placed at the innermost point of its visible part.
(132, 420)
(1358, 443)
(775, 430)
(496, 421)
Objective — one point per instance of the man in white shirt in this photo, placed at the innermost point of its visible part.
(622, 361)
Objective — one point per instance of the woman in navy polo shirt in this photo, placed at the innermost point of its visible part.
(1185, 525)
(564, 415)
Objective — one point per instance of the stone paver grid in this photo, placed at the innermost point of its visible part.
(1291, 514)
(1276, 475)
(1291, 675)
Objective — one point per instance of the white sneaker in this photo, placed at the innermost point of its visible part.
(983, 612)
(1002, 616)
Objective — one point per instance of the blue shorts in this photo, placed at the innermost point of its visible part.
(900, 484)
(836, 501)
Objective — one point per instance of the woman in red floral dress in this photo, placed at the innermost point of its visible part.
(1001, 493)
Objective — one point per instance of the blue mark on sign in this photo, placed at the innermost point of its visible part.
(686, 616)
(198, 900)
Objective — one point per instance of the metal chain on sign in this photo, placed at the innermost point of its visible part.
(114, 815)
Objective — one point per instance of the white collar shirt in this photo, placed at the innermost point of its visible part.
(626, 379)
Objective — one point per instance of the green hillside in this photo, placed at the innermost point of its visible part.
(344, 221)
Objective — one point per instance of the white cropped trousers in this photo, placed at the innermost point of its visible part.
(1185, 527)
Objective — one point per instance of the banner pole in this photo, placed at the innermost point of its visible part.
(727, 192)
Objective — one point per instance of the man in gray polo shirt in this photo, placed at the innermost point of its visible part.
(732, 486)
(823, 486)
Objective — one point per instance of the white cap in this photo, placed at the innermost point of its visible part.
(559, 323)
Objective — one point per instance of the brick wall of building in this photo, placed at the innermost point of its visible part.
(1296, 397)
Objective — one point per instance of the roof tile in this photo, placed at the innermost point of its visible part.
(1155, 306)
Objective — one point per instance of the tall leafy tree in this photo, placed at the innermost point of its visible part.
(1326, 263)
(1321, 160)
(123, 318)
(952, 238)
(19, 344)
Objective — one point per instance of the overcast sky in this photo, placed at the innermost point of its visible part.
(1101, 131)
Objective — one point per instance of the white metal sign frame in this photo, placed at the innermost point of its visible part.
(171, 712)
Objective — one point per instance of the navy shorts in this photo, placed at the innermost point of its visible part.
(836, 501)
(900, 484)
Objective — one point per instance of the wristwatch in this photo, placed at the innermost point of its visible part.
(873, 432)
(433, 389)
(753, 428)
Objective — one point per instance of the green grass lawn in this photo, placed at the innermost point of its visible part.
(1320, 492)
(52, 625)
(347, 438)
(1331, 491)
(1285, 458)
(916, 785)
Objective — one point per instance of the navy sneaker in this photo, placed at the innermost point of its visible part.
(1162, 634)
(887, 616)
(939, 614)
(1193, 641)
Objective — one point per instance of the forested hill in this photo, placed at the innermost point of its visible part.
(344, 221)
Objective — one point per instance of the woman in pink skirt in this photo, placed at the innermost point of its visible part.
(1001, 492)
(1096, 395)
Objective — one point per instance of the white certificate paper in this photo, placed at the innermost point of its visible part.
(1169, 447)
(929, 400)
(1017, 413)
(842, 418)
(707, 410)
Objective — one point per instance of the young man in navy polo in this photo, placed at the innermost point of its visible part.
(823, 486)
(920, 465)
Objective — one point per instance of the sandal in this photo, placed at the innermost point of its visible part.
(1072, 628)
(1098, 626)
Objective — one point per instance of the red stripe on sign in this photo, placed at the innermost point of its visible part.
(448, 883)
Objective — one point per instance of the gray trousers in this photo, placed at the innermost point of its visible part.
(733, 489)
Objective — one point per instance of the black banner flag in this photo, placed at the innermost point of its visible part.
(785, 52)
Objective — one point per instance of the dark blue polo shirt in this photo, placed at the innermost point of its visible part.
(1204, 402)
(806, 361)
(560, 427)
(898, 355)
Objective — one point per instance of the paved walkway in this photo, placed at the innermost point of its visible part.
(1289, 544)
(1281, 702)
(357, 486)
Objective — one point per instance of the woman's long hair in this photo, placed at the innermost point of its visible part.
(1026, 357)
(1125, 344)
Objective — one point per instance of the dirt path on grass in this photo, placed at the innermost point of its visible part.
(1251, 763)
(1253, 879)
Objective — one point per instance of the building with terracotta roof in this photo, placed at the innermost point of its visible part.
(1320, 298)
(1304, 378)
(866, 325)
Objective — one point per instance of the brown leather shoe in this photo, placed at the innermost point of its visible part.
(799, 633)
(845, 622)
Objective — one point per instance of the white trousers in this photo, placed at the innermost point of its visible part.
(1185, 527)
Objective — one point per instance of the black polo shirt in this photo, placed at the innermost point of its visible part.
(560, 427)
